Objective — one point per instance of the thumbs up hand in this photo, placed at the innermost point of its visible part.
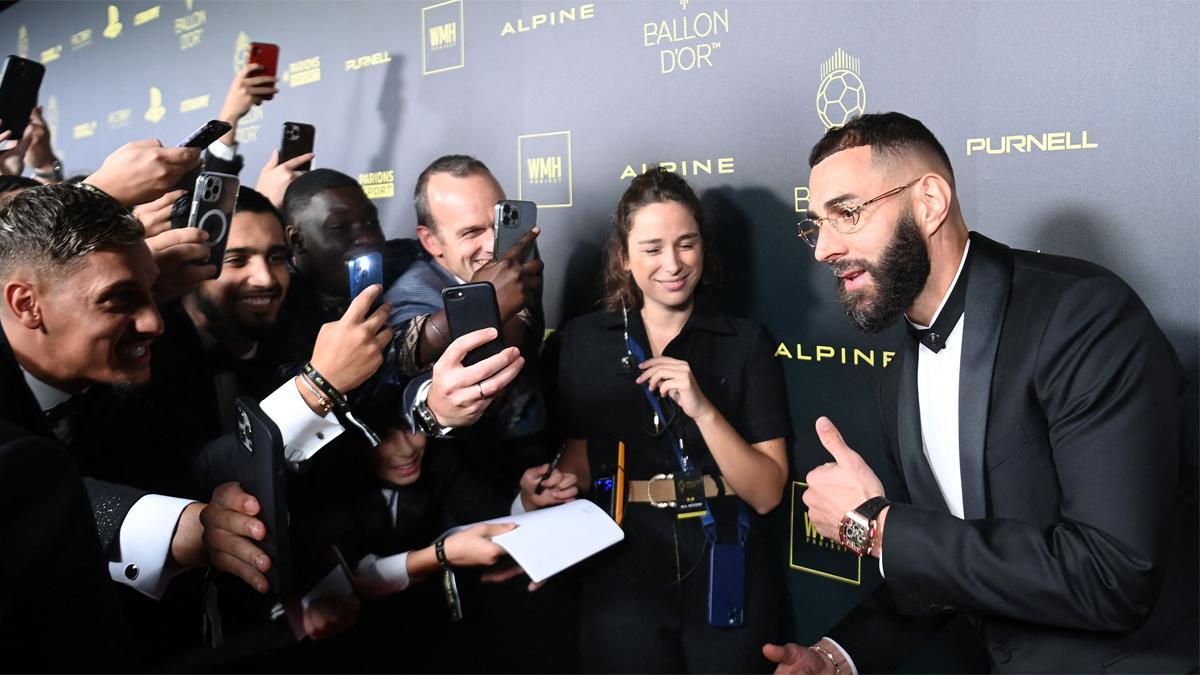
(838, 486)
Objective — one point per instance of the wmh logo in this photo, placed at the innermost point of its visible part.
(442, 37)
(544, 169)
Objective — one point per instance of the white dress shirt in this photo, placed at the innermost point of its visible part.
(141, 558)
(937, 396)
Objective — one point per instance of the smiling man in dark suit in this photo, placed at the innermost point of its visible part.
(1034, 421)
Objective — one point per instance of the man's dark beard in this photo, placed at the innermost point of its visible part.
(224, 325)
(899, 276)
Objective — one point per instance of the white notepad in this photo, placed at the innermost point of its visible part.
(550, 540)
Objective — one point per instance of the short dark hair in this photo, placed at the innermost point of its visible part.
(655, 186)
(459, 166)
(253, 201)
(50, 228)
(309, 185)
(16, 183)
(889, 135)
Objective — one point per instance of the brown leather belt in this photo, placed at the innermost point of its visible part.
(659, 491)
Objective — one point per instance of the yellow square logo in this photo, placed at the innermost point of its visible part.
(809, 552)
(544, 169)
(442, 41)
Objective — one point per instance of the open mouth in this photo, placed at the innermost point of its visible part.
(852, 278)
(258, 300)
(135, 351)
(407, 469)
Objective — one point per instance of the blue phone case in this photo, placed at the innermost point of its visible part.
(726, 585)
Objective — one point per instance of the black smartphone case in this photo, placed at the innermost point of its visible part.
(513, 220)
(212, 211)
(262, 471)
(298, 138)
(726, 585)
(205, 135)
(472, 307)
(19, 87)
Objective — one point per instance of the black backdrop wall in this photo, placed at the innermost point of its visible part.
(1073, 129)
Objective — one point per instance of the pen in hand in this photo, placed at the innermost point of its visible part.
(553, 465)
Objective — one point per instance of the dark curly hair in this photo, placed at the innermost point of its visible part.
(655, 186)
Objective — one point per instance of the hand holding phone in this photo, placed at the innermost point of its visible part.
(213, 202)
(513, 220)
(266, 55)
(298, 139)
(19, 85)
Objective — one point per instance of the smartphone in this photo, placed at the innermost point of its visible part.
(205, 135)
(604, 495)
(212, 211)
(266, 55)
(726, 585)
(513, 220)
(298, 139)
(365, 270)
(19, 86)
(472, 307)
(262, 472)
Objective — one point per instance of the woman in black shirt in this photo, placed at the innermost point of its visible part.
(656, 381)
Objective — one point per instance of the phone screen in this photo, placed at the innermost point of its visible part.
(365, 270)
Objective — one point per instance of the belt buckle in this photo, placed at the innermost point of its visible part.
(650, 491)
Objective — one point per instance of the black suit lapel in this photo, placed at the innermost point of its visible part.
(17, 403)
(990, 279)
(918, 475)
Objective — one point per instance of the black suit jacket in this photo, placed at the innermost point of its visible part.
(58, 608)
(1078, 550)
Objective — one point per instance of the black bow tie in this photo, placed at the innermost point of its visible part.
(936, 335)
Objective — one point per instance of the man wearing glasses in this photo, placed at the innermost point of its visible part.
(1034, 421)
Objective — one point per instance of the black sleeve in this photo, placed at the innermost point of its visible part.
(765, 411)
(56, 586)
(110, 504)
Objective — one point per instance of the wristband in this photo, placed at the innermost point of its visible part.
(326, 406)
(335, 397)
(837, 667)
(449, 587)
(92, 188)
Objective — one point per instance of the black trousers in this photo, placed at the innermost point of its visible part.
(635, 620)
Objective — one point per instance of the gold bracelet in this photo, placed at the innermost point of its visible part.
(837, 668)
(325, 403)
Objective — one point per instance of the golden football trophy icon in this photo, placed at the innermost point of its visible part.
(113, 29)
(156, 110)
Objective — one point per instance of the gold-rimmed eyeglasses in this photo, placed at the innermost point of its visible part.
(843, 216)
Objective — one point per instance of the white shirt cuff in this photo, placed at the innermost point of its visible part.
(518, 507)
(333, 583)
(390, 574)
(881, 565)
(222, 151)
(304, 432)
(144, 545)
(845, 655)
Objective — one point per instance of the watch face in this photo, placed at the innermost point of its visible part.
(856, 533)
